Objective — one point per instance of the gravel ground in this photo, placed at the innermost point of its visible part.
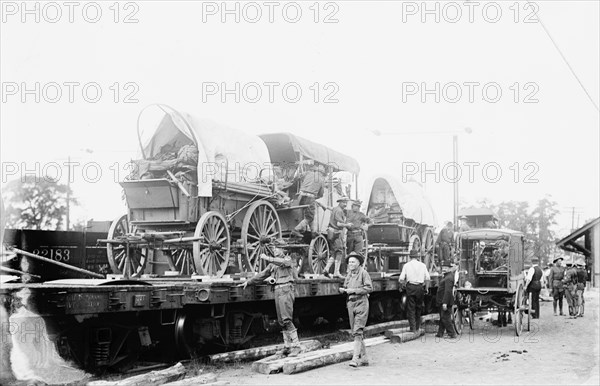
(558, 350)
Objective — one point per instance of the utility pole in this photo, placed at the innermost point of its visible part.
(68, 192)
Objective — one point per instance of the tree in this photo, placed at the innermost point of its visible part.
(544, 218)
(35, 202)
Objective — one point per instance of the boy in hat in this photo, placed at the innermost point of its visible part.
(357, 286)
(445, 301)
(281, 268)
(415, 278)
(557, 273)
(359, 221)
(337, 224)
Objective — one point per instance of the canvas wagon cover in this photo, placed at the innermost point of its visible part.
(245, 154)
(283, 148)
(410, 196)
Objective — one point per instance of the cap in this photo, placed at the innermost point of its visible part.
(357, 202)
(343, 198)
(557, 259)
(357, 256)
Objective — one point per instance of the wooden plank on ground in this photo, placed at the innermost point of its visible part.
(379, 328)
(320, 358)
(405, 336)
(274, 363)
(204, 379)
(259, 352)
(152, 378)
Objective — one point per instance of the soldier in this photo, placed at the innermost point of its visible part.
(445, 240)
(464, 226)
(581, 280)
(312, 186)
(533, 285)
(337, 224)
(281, 268)
(357, 286)
(570, 284)
(355, 240)
(415, 278)
(445, 300)
(557, 273)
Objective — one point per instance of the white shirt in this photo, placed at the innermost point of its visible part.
(414, 272)
(529, 276)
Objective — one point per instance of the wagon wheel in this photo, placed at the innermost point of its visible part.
(211, 252)
(181, 260)
(260, 227)
(427, 245)
(457, 313)
(414, 243)
(125, 258)
(518, 319)
(528, 310)
(318, 254)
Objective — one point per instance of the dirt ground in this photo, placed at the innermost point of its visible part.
(558, 350)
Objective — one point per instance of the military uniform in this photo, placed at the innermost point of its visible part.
(359, 281)
(444, 296)
(336, 240)
(283, 272)
(581, 280)
(311, 188)
(555, 278)
(570, 284)
(445, 240)
(355, 241)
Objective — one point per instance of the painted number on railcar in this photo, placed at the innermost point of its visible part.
(56, 254)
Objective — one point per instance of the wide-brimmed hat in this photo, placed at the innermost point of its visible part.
(463, 218)
(357, 202)
(557, 259)
(343, 198)
(357, 256)
(414, 254)
(580, 262)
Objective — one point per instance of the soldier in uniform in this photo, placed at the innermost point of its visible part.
(557, 273)
(312, 186)
(464, 226)
(533, 285)
(359, 221)
(445, 300)
(581, 280)
(357, 286)
(281, 269)
(570, 285)
(445, 240)
(335, 234)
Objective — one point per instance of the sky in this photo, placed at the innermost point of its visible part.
(75, 77)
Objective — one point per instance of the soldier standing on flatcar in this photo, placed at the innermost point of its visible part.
(281, 268)
(533, 285)
(557, 273)
(312, 187)
(445, 240)
(359, 221)
(357, 286)
(337, 224)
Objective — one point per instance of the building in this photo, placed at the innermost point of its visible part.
(586, 241)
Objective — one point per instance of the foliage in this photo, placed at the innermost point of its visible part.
(35, 202)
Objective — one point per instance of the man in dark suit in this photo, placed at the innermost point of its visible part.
(445, 300)
(533, 285)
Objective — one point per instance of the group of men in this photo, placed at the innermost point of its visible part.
(568, 282)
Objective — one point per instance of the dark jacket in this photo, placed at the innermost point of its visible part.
(444, 292)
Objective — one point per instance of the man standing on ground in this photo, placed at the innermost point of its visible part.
(570, 284)
(445, 240)
(533, 285)
(337, 224)
(445, 301)
(557, 273)
(355, 241)
(415, 278)
(581, 281)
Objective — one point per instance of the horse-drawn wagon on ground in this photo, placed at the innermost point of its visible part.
(491, 277)
(204, 198)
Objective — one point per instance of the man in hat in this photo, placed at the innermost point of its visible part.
(464, 226)
(570, 285)
(445, 301)
(312, 186)
(582, 278)
(533, 285)
(337, 224)
(354, 240)
(557, 273)
(357, 286)
(281, 269)
(415, 278)
(445, 240)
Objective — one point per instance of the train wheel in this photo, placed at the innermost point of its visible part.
(518, 319)
(427, 245)
(211, 252)
(318, 254)
(125, 258)
(260, 227)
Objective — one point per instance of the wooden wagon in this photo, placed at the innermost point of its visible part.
(491, 277)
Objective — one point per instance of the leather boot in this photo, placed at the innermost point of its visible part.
(328, 266)
(357, 349)
(363, 354)
(336, 272)
(286, 345)
(294, 343)
(554, 306)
